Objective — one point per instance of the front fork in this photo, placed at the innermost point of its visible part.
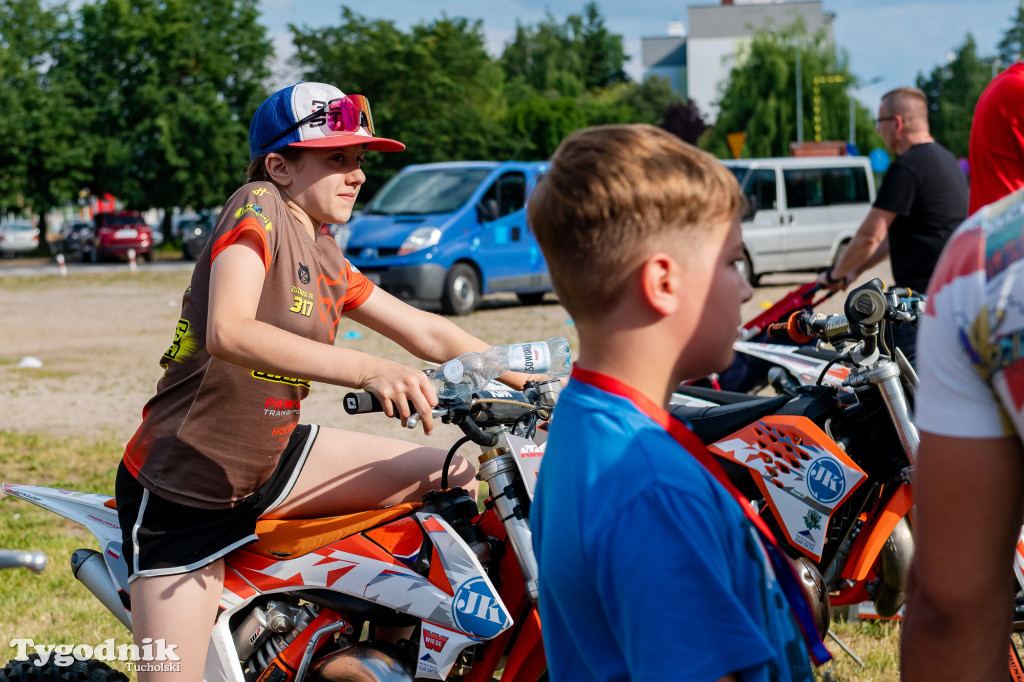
(499, 470)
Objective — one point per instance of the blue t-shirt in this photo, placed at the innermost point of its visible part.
(649, 569)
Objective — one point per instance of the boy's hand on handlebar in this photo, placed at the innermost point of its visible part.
(402, 390)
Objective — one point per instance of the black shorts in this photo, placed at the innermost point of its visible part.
(160, 537)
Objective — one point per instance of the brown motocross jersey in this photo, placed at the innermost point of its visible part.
(215, 431)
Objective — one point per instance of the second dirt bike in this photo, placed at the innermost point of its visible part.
(829, 471)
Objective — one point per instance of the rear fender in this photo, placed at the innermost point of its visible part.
(86, 509)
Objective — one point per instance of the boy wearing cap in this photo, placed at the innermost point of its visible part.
(220, 443)
(650, 567)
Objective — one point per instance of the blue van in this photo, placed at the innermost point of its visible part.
(448, 233)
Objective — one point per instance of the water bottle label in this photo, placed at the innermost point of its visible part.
(530, 358)
(453, 370)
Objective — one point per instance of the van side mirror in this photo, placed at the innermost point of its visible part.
(487, 210)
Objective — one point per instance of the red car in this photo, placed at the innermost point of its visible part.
(113, 234)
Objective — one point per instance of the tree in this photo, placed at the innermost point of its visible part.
(759, 97)
(171, 86)
(953, 90)
(567, 59)
(436, 89)
(1011, 47)
(41, 160)
(683, 120)
(563, 77)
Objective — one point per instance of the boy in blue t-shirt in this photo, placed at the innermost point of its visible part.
(649, 568)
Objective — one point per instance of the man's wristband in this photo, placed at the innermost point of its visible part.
(829, 278)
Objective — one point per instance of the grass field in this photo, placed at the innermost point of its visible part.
(54, 608)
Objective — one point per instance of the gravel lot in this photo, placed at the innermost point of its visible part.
(100, 334)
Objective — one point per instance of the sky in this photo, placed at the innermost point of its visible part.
(893, 40)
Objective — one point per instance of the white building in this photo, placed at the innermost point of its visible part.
(697, 61)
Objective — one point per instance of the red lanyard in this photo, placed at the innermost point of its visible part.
(788, 580)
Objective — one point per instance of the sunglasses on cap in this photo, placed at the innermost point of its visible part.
(343, 115)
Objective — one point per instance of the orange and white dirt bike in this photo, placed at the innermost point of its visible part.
(305, 601)
(828, 467)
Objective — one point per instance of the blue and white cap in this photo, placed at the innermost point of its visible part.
(288, 106)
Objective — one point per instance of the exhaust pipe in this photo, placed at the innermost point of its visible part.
(88, 567)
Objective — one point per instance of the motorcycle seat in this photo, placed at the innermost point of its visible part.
(290, 538)
(713, 423)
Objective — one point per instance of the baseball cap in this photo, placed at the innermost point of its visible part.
(298, 116)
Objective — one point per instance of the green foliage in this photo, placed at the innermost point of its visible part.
(953, 91)
(41, 161)
(172, 86)
(435, 88)
(760, 99)
(568, 59)
(563, 77)
(1011, 47)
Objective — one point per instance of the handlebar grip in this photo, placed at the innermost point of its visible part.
(362, 403)
(778, 331)
(795, 328)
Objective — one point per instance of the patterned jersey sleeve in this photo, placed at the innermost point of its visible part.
(956, 396)
(252, 209)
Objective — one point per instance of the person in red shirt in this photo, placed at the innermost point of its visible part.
(996, 153)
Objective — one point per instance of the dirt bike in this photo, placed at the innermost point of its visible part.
(306, 600)
(759, 359)
(829, 470)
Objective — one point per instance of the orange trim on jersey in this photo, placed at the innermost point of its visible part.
(249, 223)
(134, 456)
(358, 290)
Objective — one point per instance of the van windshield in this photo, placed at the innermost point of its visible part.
(440, 190)
(740, 172)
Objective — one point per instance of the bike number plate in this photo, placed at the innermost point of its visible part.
(528, 456)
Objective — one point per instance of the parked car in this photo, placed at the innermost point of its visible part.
(802, 211)
(115, 233)
(18, 237)
(195, 233)
(72, 237)
(450, 232)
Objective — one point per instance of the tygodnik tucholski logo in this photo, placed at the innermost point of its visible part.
(152, 656)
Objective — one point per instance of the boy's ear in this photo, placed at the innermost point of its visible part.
(277, 168)
(660, 282)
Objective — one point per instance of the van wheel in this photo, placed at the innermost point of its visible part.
(747, 270)
(461, 290)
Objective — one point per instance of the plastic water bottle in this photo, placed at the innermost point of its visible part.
(471, 372)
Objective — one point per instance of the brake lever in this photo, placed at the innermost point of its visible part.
(414, 419)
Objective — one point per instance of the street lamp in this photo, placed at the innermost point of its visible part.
(876, 79)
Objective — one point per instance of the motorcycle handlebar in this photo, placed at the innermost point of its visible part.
(362, 403)
(13, 558)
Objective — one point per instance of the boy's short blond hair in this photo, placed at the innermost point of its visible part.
(611, 194)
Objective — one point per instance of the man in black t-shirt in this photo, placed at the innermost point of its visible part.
(922, 199)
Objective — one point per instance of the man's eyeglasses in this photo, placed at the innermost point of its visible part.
(880, 121)
(343, 115)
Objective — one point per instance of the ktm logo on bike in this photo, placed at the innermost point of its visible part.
(477, 611)
(825, 480)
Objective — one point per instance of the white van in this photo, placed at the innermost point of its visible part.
(802, 211)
